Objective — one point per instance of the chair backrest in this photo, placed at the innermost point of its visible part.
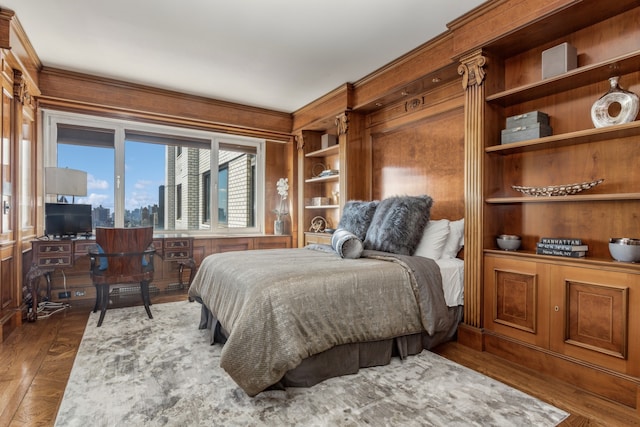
(131, 243)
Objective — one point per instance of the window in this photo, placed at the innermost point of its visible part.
(142, 174)
(179, 202)
(223, 190)
(206, 198)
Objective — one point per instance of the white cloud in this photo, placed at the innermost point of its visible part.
(96, 184)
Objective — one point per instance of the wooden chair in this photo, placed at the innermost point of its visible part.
(121, 256)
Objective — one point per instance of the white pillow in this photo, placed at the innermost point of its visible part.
(433, 240)
(455, 241)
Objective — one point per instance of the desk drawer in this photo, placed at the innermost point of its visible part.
(82, 248)
(176, 255)
(55, 261)
(177, 244)
(54, 248)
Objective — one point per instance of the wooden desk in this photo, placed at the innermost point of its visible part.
(49, 255)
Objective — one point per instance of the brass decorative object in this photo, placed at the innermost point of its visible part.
(318, 224)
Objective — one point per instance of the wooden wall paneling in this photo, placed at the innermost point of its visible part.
(527, 23)
(232, 244)
(278, 165)
(272, 242)
(320, 114)
(80, 92)
(421, 70)
(355, 166)
(201, 248)
(425, 158)
(415, 106)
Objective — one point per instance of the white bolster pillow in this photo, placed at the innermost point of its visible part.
(346, 244)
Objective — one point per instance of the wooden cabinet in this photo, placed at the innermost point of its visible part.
(578, 317)
(574, 318)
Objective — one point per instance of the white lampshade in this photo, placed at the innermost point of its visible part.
(65, 181)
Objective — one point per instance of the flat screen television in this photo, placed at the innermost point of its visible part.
(64, 220)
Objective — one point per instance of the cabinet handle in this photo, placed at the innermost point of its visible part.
(556, 308)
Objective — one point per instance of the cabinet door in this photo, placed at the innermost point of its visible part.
(516, 299)
(591, 317)
(272, 242)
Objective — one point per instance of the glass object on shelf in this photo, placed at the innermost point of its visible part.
(616, 98)
(278, 227)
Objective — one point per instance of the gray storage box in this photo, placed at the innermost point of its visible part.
(328, 140)
(526, 119)
(558, 60)
(524, 133)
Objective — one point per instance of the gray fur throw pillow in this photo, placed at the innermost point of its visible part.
(398, 224)
(356, 217)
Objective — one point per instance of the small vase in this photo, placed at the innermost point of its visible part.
(278, 227)
(628, 103)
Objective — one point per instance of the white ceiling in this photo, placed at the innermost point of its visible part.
(277, 54)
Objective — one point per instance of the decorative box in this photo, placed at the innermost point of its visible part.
(524, 133)
(558, 60)
(320, 201)
(328, 140)
(526, 119)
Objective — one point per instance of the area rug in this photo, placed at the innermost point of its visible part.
(135, 371)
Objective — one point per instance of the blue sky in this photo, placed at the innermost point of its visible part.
(144, 169)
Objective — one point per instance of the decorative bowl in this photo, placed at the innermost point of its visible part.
(624, 249)
(508, 242)
(557, 190)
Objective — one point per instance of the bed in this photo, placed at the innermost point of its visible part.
(295, 317)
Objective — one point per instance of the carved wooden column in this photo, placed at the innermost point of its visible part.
(300, 170)
(472, 71)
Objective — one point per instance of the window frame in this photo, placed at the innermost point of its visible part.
(52, 118)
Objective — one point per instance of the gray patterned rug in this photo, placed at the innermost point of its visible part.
(134, 371)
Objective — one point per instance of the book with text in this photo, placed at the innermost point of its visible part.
(562, 247)
(560, 241)
(555, 252)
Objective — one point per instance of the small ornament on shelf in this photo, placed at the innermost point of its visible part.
(557, 190)
(616, 98)
(318, 224)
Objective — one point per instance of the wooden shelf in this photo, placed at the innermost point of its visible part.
(568, 139)
(595, 262)
(564, 199)
(323, 207)
(323, 178)
(589, 74)
(329, 151)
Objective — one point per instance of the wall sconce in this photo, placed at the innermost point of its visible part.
(65, 182)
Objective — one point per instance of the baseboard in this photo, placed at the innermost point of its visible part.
(10, 320)
(615, 386)
(470, 336)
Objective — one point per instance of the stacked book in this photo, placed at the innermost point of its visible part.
(573, 248)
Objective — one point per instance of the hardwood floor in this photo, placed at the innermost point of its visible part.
(36, 360)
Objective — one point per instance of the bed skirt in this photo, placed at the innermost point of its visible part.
(344, 359)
